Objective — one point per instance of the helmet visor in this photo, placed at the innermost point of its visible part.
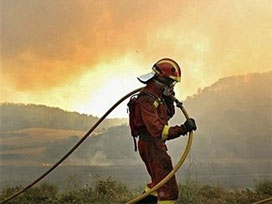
(146, 77)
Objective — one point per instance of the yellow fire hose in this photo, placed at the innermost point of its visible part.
(176, 168)
(72, 149)
(263, 201)
(162, 182)
(178, 165)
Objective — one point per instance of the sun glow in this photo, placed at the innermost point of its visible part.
(113, 81)
(88, 60)
(103, 98)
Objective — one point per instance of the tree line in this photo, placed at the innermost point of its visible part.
(20, 116)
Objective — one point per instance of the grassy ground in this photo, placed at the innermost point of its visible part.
(112, 191)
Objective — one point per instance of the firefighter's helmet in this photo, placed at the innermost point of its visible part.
(165, 67)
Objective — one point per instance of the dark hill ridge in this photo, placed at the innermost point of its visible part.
(21, 116)
(259, 83)
(234, 117)
(232, 145)
(234, 125)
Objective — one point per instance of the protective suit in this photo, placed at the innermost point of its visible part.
(154, 113)
(149, 115)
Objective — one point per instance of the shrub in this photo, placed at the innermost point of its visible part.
(111, 191)
(212, 194)
(264, 187)
(188, 193)
(45, 193)
(241, 196)
(195, 193)
(8, 191)
(103, 191)
(83, 195)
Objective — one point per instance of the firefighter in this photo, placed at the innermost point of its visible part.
(152, 109)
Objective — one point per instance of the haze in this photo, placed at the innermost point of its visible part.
(84, 55)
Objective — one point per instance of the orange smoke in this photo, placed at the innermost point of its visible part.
(55, 42)
(49, 45)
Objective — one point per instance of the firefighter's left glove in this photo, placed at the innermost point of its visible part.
(190, 125)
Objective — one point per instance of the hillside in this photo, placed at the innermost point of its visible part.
(21, 116)
(38, 135)
(234, 117)
(28, 146)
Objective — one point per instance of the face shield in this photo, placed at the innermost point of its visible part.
(146, 77)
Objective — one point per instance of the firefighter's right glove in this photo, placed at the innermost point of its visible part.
(190, 125)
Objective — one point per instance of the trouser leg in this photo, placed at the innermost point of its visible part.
(159, 165)
(162, 166)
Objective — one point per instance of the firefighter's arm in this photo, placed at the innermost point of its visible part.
(176, 131)
(155, 126)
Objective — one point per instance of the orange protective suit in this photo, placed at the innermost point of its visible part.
(152, 111)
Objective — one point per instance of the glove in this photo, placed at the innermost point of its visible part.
(190, 125)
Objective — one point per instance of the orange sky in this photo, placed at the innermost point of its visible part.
(84, 55)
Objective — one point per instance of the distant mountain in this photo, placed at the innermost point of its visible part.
(234, 118)
(43, 146)
(21, 116)
(112, 147)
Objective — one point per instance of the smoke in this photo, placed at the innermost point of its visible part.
(48, 45)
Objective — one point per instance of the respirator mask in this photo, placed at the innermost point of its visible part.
(167, 84)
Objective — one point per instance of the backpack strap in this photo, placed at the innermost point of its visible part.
(157, 100)
(156, 103)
